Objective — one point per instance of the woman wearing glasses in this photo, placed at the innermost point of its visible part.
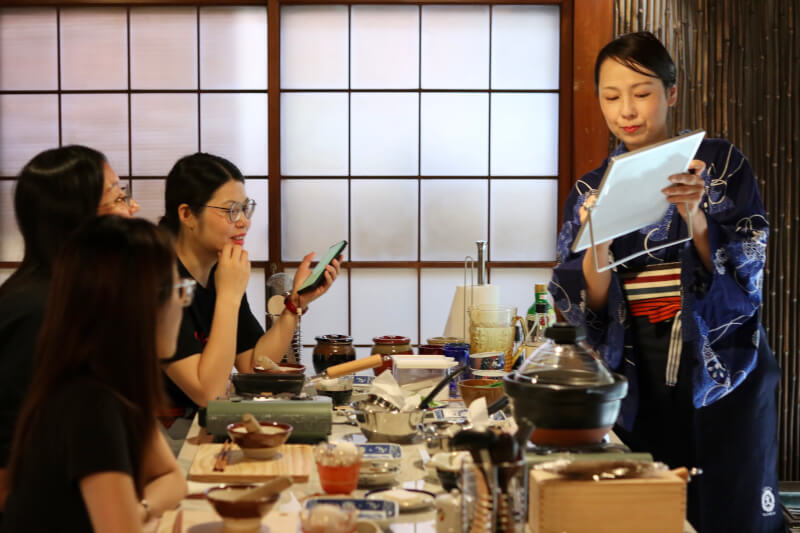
(87, 444)
(56, 191)
(209, 213)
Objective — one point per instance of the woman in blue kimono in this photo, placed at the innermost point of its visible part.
(682, 323)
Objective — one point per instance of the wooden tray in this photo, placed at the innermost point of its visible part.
(293, 460)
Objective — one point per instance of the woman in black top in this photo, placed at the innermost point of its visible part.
(56, 191)
(87, 453)
(208, 211)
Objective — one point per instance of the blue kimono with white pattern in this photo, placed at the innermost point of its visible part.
(720, 311)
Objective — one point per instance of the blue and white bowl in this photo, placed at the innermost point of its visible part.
(382, 512)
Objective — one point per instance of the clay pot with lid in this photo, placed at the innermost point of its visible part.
(563, 394)
(390, 345)
(332, 350)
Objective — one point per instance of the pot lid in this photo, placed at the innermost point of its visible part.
(564, 359)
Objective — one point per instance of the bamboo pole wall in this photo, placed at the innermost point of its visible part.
(738, 69)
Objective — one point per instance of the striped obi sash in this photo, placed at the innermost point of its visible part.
(655, 293)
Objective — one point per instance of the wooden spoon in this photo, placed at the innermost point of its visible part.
(265, 490)
(251, 424)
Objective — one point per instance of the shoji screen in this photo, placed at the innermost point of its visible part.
(143, 85)
(413, 131)
(409, 130)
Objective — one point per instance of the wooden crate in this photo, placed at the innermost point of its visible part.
(652, 505)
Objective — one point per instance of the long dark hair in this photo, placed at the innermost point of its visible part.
(56, 191)
(641, 52)
(109, 282)
(192, 181)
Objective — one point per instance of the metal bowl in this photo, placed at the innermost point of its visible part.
(380, 425)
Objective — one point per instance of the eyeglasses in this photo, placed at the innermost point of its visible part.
(185, 288)
(237, 209)
(124, 198)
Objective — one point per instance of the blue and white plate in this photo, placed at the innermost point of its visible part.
(382, 512)
(459, 415)
(362, 381)
(377, 452)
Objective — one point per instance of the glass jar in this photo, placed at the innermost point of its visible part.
(332, 350)
(390, 345)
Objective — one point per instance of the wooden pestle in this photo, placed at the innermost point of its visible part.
(265, 490)
(251, 424)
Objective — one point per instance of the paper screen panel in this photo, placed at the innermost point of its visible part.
(384, 48)
(384, 219)
(517, 285)
(257, 241)
(384, 302)
(313, 216)
(314, 41)
(455, 134)
(94, 48)
(524, 220)
(163, 129)
(454, 215)
(524, 134)
(384, 134)
(329, 315)
(256, 295)
(525, 47)
(99, 121)
(314, 134)
(455, 47)
(5, 273)
(438, 286)
(149, 194)
(163, 48)
(12, 246)
(233, 47)
(234, 126)
(28, 49)
(28, 125)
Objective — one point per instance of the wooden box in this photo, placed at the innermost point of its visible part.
(652, 505)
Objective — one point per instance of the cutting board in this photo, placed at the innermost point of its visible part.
(293, 460)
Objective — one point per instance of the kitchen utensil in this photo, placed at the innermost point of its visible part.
(380, 425)
(265, 490)
(564, 394)
(454, 373)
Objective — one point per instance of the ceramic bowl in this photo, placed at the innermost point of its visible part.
(242, 515)
(472, 389)
(260, 445)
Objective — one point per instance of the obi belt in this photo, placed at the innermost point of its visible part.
(655, 293)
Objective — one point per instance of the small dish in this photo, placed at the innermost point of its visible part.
(377, 475)
(382, 512)
(407, 500)
(385, 453)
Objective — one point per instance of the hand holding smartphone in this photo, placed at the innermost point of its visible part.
(317, 276)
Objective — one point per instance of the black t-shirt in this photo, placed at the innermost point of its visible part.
(196, 326)
(81, 431)
(21, 315)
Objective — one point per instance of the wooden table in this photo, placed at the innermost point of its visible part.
(199, 517)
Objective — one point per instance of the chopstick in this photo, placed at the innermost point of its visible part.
(222, 457)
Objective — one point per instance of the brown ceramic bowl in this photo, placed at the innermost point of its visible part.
(241, 515)
(472, 389)
(286, 368)
(260, 445)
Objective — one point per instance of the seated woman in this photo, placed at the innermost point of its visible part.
(56, 191)
(208, 211)
(682, 323)
(87, 444)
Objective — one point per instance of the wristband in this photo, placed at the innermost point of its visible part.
(287, 302)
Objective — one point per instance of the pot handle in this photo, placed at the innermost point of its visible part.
(351, 367)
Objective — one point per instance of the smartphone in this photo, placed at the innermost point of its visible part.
(317, 276)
